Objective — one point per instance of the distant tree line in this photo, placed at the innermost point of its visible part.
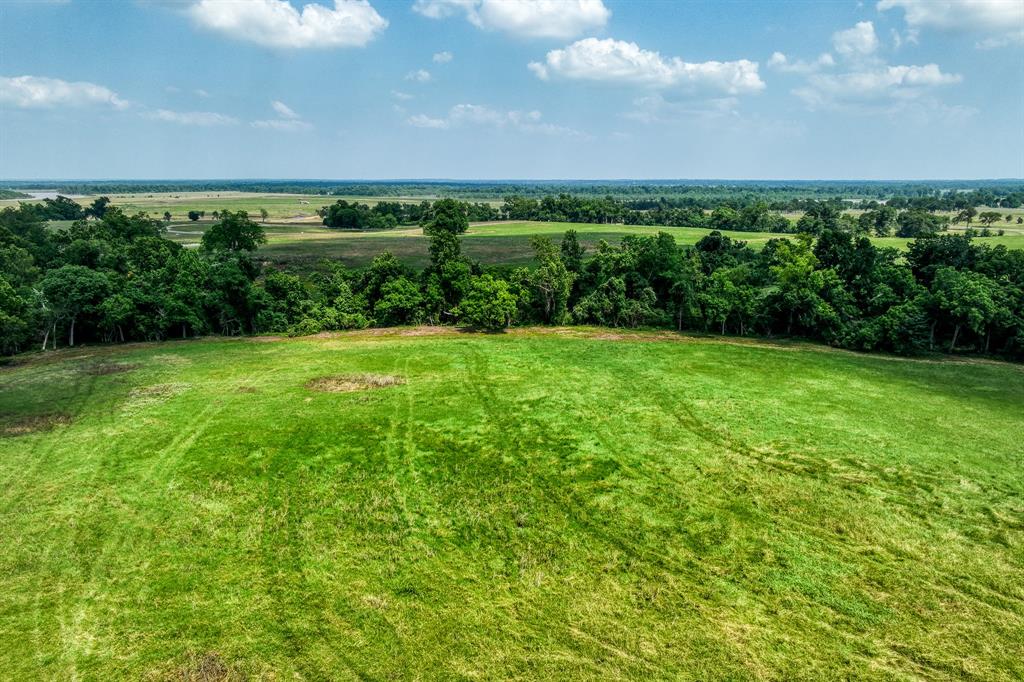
(706, 194)
(115, 278)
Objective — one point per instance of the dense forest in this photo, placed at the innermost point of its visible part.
(931, 195)
(112, 277)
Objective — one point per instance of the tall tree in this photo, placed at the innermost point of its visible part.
(233, 232)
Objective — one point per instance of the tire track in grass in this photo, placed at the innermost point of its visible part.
(935, 576)
(570, 504)
(300, 608)
(75, 621)
(40, 456)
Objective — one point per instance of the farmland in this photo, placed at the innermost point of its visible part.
(296, 238)
(567, 503)
(501, 243)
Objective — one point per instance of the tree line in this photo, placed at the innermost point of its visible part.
(818, 216)
(932, 195)
(115, 278)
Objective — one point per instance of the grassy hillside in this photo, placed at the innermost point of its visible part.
(539, 504)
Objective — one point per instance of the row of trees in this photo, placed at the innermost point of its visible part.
(116, 278)
(347, 215)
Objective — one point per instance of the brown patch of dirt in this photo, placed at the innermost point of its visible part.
(346, 383)
(104, 368)
(34, 424)
(246, 389)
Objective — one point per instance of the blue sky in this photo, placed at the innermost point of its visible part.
(491, 89)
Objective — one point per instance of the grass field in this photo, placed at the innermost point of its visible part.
(570, 504)
(299, 208)
(490, 243)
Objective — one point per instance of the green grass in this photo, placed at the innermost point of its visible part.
(573, 504)
(503, 243)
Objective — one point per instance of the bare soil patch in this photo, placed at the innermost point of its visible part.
(34, 423)
(347, 383)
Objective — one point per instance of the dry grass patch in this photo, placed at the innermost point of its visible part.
(209, 667)
(34, 423)
(346, 383)
(104, 368)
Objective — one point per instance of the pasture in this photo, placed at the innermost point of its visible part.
(546, 503)
(500, 243)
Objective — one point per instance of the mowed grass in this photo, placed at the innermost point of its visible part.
(569, 504)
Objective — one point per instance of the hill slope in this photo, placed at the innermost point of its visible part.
(544, 503)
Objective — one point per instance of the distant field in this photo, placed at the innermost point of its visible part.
(542, 504)
(280, 207)
(296, 237)
(489, 243)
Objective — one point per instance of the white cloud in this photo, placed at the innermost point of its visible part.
(37, 92)
(277, 24)
(398, 94)
(781, 62)
(1002, 20)
(283, 125)
(478, 115)
(886, 83)
(559, 19)
(443, 57)
(419, 75)
(288, 120)
(201, 93)
(283, 110)
(424, 121)
(617, 61)
(191, 118)
(859, 41)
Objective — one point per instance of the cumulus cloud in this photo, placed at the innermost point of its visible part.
(419, 75)
(559, 19)
(277, 24)
(859, 41)
(192, 118)
(1001, 20)
(781, 62)
(886, 83)
(617, 61)
(398, 94)
(478, 115)
(37, 92)
(442, 57)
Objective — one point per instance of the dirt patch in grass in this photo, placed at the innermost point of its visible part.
(34, 423)
(100, 369)
(145, 396)
(346, 383)
(209, 667)
(246, 389)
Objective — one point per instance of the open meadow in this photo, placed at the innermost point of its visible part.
(544, 503)
(498, 243)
